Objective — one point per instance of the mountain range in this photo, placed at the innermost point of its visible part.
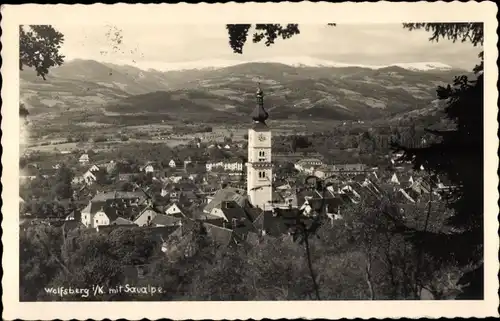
(293, 89)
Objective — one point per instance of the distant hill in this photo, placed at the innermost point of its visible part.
(221, 94)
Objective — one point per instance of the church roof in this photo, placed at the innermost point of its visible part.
(259, 114)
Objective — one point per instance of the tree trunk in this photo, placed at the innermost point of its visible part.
(368, 277)
(309, 263)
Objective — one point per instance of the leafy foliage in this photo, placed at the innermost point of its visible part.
(458, 155)
(464, 32)
(472, 32)
(39, 48)
(238, 34)
(62, 187)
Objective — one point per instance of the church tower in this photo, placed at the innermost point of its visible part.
(259, 166)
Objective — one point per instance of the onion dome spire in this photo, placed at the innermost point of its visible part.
(259, 114)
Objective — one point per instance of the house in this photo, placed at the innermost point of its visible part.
(224, 237)
(148, 168)
(109, 166)
(131, 198)
(161, 220)
(229, 165)
(407, 195)
(350, 194)
(421, 185)
(350, 168)
(394, 179)
(175, 178)
(188, 197)
(284, 198)
(232, 217)
(372, 188)
(90, 176)
(74, 216)
(84, 159)
(286, 186)
(214, 164)
(173, 163)
(173, 210)
(146, 216)
(186, 185)
(325, 171)
(122, 221)
(94, 214)
(227, 194)
(308, 165)
(125, 177)
(320, 205)
(119, 222)
(269, 223)
(233, 165)
(227, 147)
(187, 161)
(104, 207)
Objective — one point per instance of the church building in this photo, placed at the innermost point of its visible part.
(259, 166)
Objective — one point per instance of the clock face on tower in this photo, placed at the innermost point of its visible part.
(262, 137)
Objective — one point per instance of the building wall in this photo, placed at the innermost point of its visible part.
(100, 218)
(89, 177)
(174, 209)
(217, 212)
(259, 178)
(142, 220)
(87, 219)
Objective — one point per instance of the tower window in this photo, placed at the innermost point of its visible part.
(262, 156)
(262, 174)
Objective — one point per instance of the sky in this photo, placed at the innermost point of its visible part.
(157, 45)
